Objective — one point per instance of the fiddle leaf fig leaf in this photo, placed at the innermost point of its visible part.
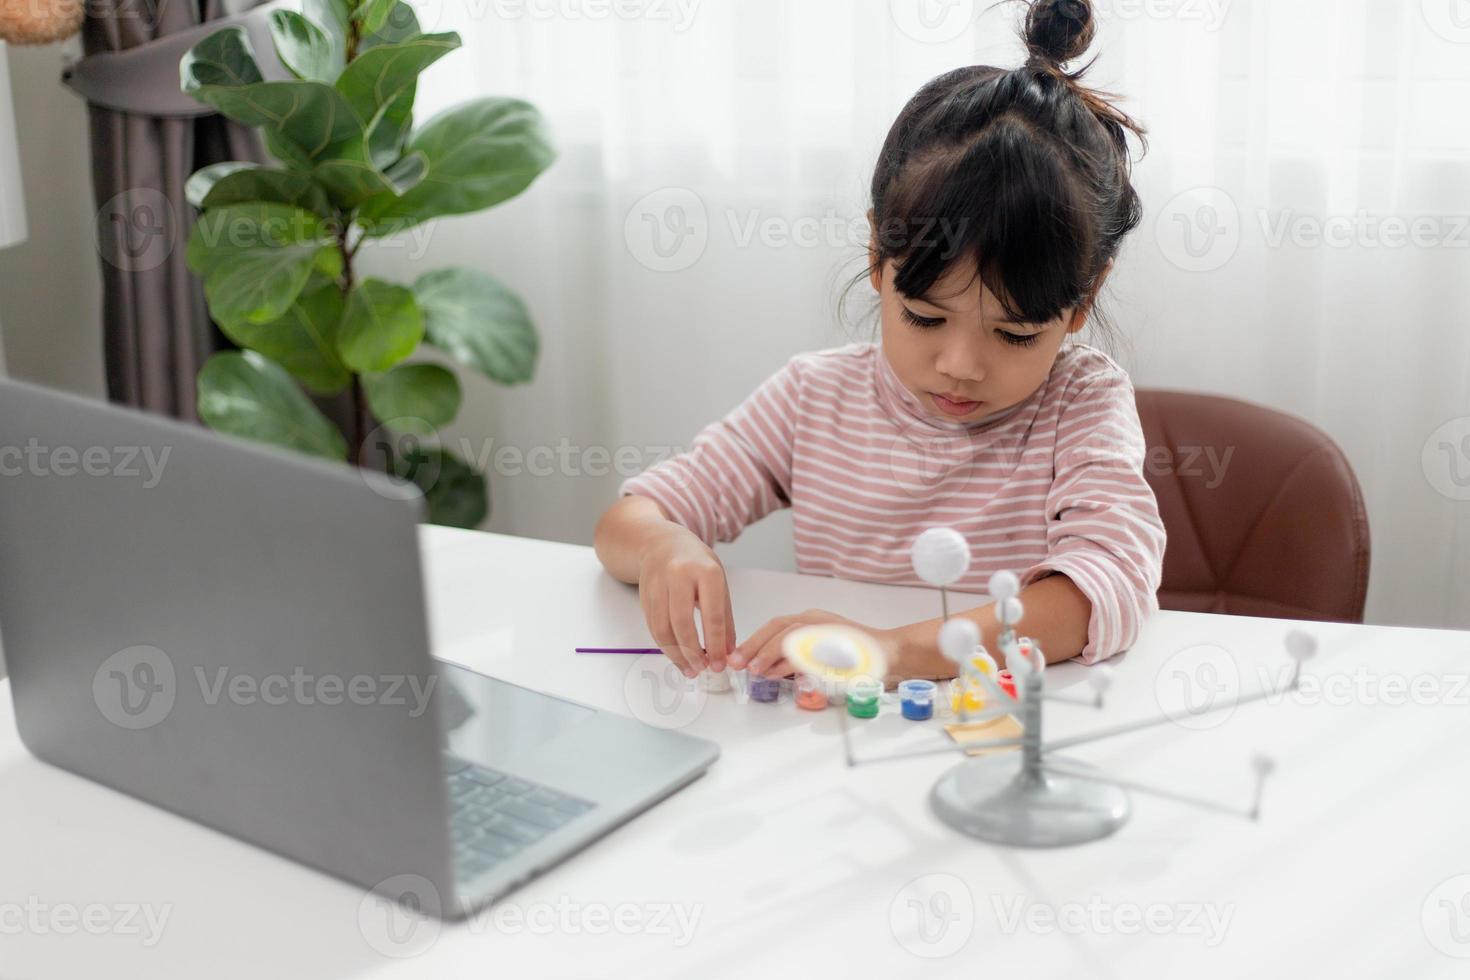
(303, 340)
(304, 48)
(305, 120)
(246, 394)
(414, 397)
(479, 323)
(479, 154)
(239, 183)
(255, 258)
(380, 327)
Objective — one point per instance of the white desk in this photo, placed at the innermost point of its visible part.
(796, 865)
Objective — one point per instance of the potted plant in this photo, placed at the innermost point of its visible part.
(275, 244)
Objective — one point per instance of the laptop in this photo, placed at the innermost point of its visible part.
(238, 634)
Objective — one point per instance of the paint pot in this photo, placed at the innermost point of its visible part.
(862, 698)
(916, 699)
(1007, 682)
(809, 693)
(765, 689)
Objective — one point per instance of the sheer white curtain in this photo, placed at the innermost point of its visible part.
(708, 200)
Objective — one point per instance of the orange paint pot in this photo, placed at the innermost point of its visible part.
(809, 694)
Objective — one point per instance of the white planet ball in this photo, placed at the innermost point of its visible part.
(958, 639)
(1010, 610)
(836, 652)
(1301, 644)
(941, 555)
(1003, 585)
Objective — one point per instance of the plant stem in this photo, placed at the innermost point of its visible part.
(355, 450)
(355, 433)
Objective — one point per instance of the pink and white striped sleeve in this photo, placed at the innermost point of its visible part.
(1103, 526)
(738, 469)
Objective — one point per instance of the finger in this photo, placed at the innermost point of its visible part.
(729, 622)
(770, 652)
(781, 668)
(752, 644)
(714, 615)
(654, 598)
(681, 617)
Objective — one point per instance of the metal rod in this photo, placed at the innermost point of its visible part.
(1246, 814)
(964, 747)
(1135, 726)
(1096, 701)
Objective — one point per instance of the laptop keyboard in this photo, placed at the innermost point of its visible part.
(494, 816)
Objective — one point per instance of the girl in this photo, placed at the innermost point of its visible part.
(999, 201)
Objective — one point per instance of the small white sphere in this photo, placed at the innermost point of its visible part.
(1301, 644)
(958, 638)
(836, 652)
(1009, 611)
(1003, 585)
(941, 555)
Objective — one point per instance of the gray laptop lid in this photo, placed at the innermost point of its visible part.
(182, 612)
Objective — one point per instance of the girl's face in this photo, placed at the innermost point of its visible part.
(955, 350)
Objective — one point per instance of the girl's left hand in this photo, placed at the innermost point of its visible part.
(760, 652)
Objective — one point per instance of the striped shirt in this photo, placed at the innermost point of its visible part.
(1054, 484)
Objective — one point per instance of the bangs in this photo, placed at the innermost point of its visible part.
(1004, 205)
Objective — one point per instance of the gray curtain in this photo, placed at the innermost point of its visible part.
(147, 137)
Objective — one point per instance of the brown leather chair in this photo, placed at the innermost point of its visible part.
(1263, 513)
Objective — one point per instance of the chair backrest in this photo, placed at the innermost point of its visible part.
(1263, 513)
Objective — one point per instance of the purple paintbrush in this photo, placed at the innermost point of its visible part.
(619, 650)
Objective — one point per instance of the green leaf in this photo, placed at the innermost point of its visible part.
(414, 397)
(456, 495)
(248, 395)
(202, 180)
(373, 14)
(479, 154)
(304, 48)
(353, 177)
(304, 120)
(380, 327)
(255, 258)
(250, 182)
(331, 18)
(479, 323)
(378, 75)
(303, 341)
(400, 25)
(389, 128)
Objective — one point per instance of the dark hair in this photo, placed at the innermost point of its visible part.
(1025, 171)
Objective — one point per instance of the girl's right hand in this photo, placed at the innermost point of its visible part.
(677, 574)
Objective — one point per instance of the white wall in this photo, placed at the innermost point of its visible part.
(50, 287)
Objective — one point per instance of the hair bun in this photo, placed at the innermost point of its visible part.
(1059, 30)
